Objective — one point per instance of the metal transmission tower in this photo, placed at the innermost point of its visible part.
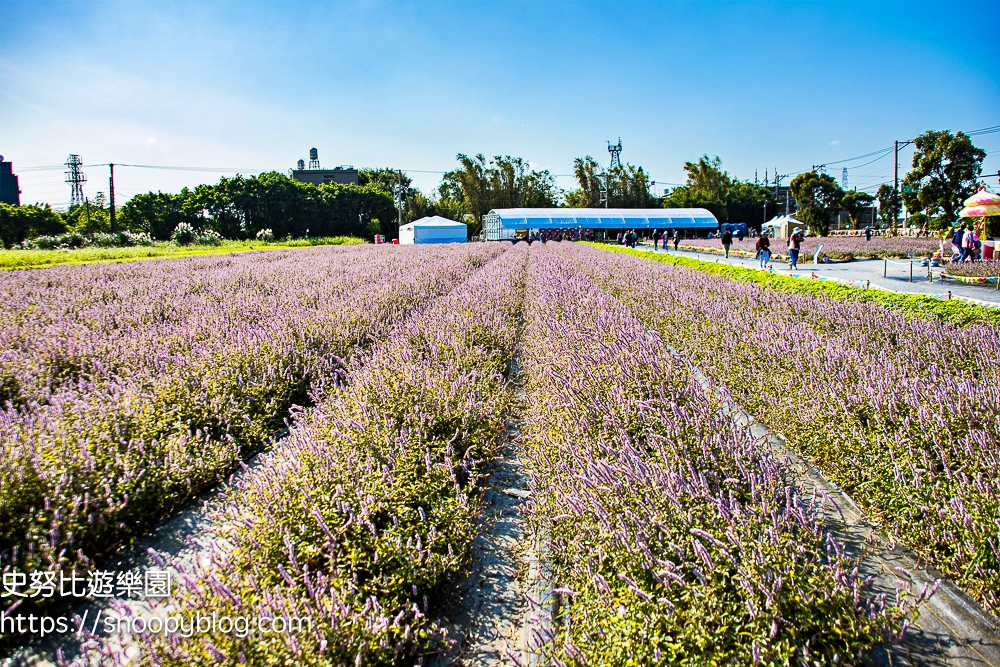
(843, 179)
(76, 178)
(616, 153)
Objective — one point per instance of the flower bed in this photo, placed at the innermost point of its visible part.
(834, 247)
(879, 400)
(359, 517)
(675, 535)
(986, 269)
(134, 388)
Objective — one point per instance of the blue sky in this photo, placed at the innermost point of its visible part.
(253, 85)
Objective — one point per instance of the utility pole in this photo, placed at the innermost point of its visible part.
(895, 177)
(602, 189)
(114, 227)
(398, 196)
(86, 204)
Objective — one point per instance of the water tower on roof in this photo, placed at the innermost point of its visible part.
(316, 175)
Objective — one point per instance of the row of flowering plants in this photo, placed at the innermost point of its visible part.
(986, 269)
(356, 521)
(900, 411)
(132, 388)
(676, 536)
(834, 247)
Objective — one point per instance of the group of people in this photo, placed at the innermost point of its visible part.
(763, 246)
(574, 234)
(666, 237)
(966, 244)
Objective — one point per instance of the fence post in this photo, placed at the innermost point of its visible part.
(911, 270)
(885, 268)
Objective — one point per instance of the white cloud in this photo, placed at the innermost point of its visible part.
(835, 142)
(151, 140)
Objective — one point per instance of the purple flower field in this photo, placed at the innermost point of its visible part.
(131, 388)
(671, 525)
(672, 534)
(365, 510)
(878, 400)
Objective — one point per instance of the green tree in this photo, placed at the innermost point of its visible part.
(707, 177)
(628, 186)
(18, 223)
(588, 195)
(855, 203)
(239, 207)
(729, 199)
(503, 182)
(889, 204)
(745, 202)
(384, 178)
(818, 197)
(945, 172)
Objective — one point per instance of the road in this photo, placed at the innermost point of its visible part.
(898, 278)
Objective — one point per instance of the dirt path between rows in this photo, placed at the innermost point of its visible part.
(505, 596)
(184, 539)
(951, 630)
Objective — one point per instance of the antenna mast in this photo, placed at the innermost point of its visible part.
(616, 153)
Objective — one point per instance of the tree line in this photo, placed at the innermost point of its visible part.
(945, 171)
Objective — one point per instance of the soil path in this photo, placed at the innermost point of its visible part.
(504, 597)
(952, 629)
(184, 539)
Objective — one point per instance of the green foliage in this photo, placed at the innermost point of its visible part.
(384, 178)
(819, 198)
(945, 172)
(239, 207)
(94, 254)
(991, 226)
(628, 186)
(855, 203)
(183, 234)
(889, 204)
(955, 312)
(503, 182)
(729, 199)
(18, 223)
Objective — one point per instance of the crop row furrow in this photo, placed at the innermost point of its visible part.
(358, 518)
(899, 411)
(106, 455)
(677, 537)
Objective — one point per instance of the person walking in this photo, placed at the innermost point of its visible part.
(727, 240)
(656, 239)
(969, 245)
(956, 241)
(677, 238)
(794, 246)
(868, 233)
(764, 251)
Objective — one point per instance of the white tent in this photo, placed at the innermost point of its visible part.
(434, 229)
(783, 225)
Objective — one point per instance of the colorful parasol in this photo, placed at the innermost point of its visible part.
(981, 205)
